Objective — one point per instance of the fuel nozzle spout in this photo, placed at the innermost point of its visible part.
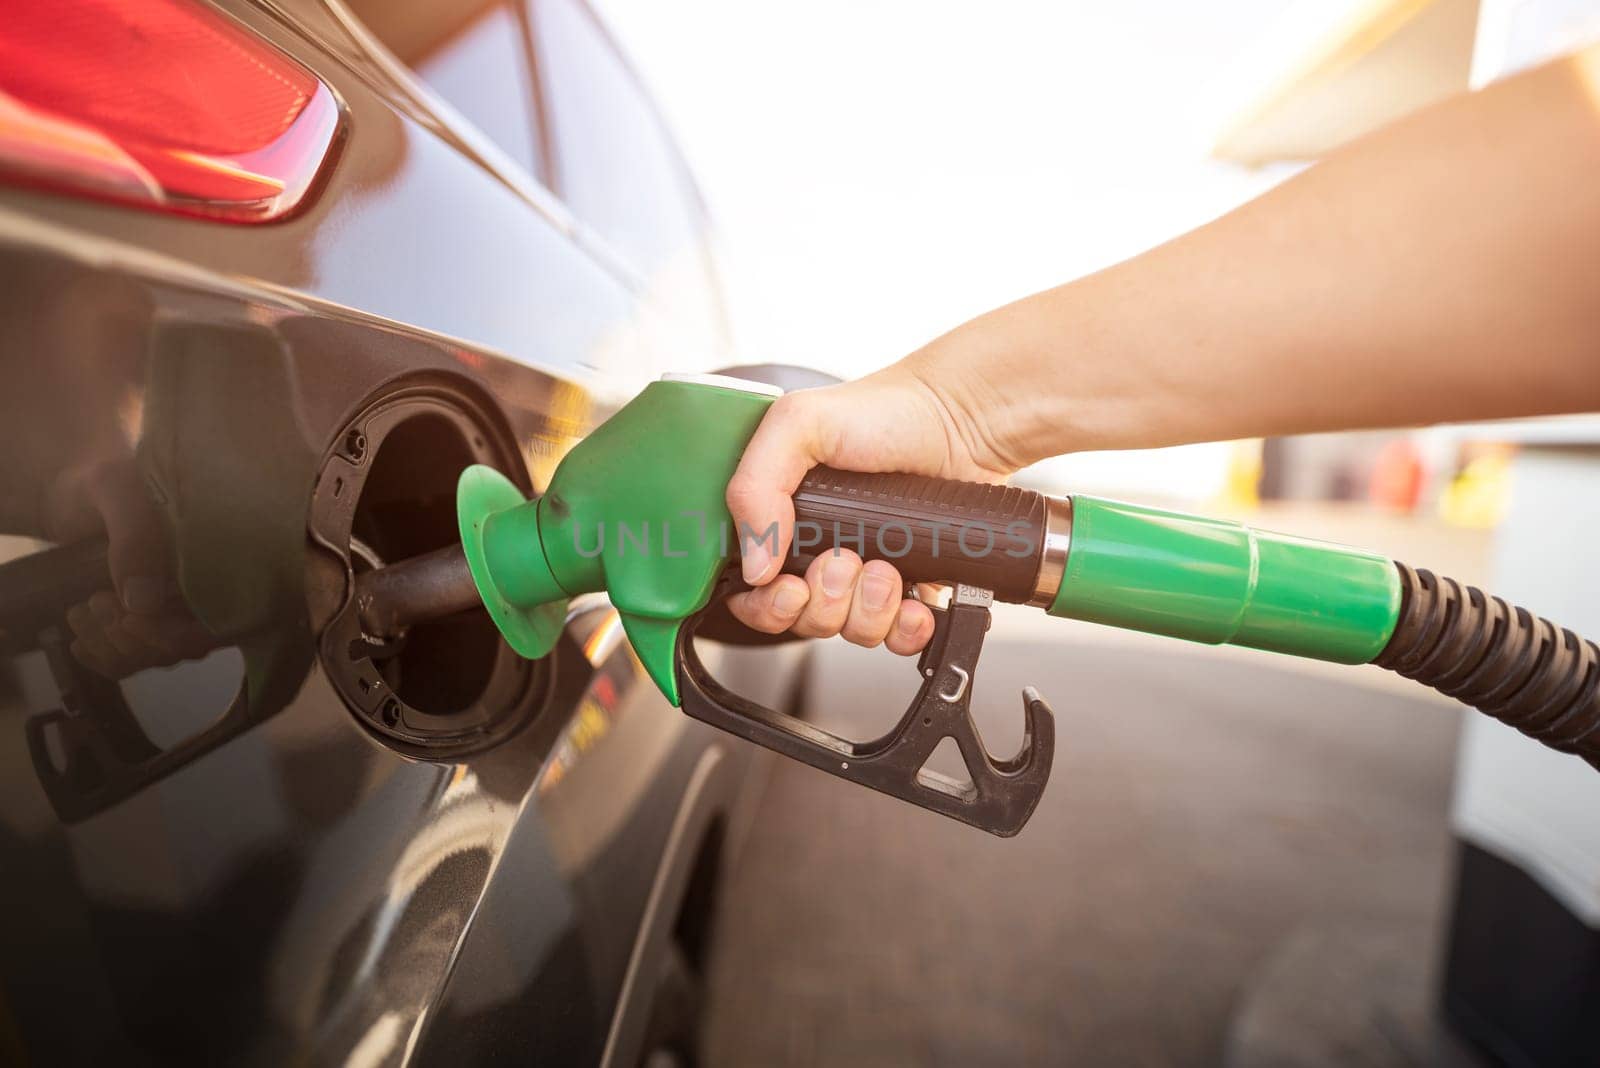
(427, 587)
(498, 565)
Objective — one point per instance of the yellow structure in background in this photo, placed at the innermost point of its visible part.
(1329, 73)
(1323, 74)
(1480, 494)
(1241, 487)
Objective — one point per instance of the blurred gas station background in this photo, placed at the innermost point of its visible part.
(880, 172)
(1242, 858)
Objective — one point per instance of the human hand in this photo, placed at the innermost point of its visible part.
(142, 621)
(892, 421)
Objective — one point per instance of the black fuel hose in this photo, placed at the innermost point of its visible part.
(1504, 661)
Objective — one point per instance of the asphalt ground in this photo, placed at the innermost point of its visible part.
(1240, 859)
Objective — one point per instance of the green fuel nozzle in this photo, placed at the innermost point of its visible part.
(637, 511)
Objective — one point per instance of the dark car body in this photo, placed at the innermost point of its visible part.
(250, 856)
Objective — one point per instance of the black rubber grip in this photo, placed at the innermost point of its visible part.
(1502, 660)
(931, 529)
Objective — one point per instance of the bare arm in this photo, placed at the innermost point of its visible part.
(1446, 267)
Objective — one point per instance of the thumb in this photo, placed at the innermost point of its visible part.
(760, 494)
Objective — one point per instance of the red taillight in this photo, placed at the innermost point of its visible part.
(158, 102)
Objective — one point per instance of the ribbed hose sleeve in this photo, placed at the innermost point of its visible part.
(1502, 660)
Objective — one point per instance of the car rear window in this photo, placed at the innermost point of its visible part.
(475, 56)
(614, 163)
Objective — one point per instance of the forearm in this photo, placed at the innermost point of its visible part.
(1444, 268)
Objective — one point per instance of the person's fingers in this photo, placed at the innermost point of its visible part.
(912, 628)
(773, 608)
(89, 644)
(169, 636)
(760, 493)
(110, 617)
(136, 653)
(831, 579)
(844, 599)
(104, 608)
(873, 608)
(85, 652)
(116, 642)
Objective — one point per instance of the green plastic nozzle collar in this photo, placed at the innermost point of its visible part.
(487, 499)
(636, 510)
(1221, 582)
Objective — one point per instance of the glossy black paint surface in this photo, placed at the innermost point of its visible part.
(217, 861)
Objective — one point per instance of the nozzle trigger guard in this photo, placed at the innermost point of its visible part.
(1002, 794)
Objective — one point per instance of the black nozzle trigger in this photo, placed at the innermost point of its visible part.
(1001, 795)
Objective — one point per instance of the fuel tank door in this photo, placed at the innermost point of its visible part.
(386, 492)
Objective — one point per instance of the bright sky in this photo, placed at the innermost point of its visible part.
(880, 170)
